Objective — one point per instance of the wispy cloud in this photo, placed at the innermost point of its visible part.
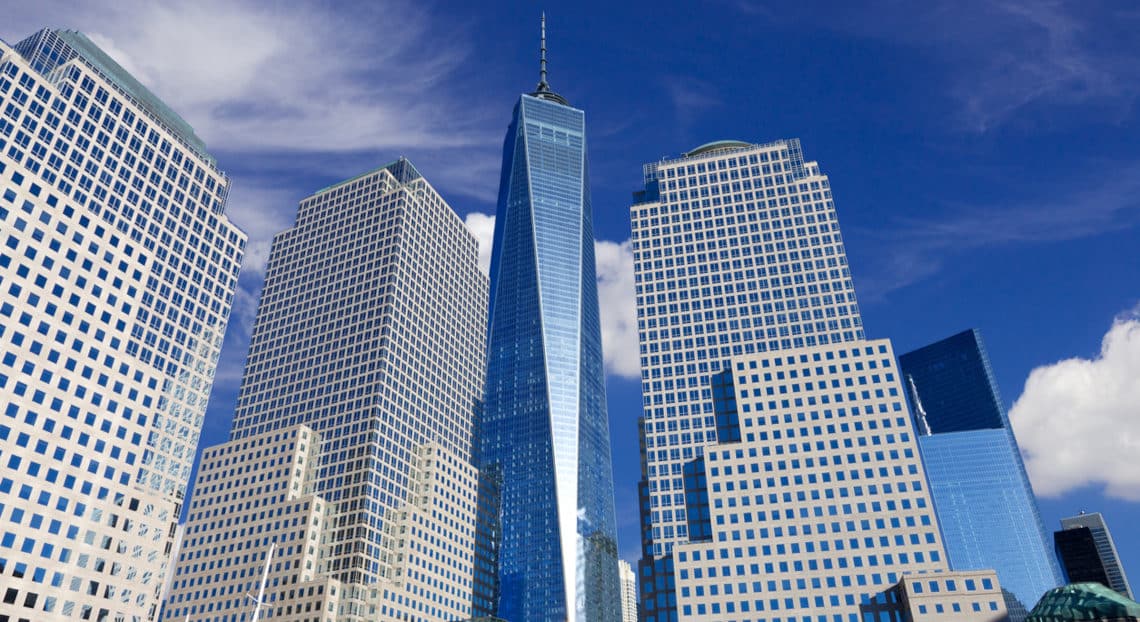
(995, 60)
(690, 97)
(285, 93)
(910, 250)
(1009, 55)
(291, 76)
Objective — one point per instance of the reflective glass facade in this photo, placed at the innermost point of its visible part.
(544, 434)
(981, 491)
(955, 384)
(1080, 559)
(1105, 547)
(988, 512)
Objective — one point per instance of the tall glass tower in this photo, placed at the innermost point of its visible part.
(544, 435)
(985, 505)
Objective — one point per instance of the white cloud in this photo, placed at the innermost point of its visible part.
(255, 76)
(483, 227)
(262, 212)
(617, 306)
(1078, 420)
(293, 91)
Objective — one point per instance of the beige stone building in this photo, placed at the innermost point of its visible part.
(118, 267)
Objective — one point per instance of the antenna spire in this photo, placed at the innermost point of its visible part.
(542, 91)
(543, 85)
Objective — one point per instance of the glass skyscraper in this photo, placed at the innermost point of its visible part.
(544, 435)
(981, 491)
(117, 273)
(1105, 549)
(1080, 558)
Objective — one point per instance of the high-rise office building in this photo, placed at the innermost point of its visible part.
(981, 491)
(781, 475)
(1080, 558)
(117, 273)
(1105, 546)
(813, 504)
(953, 381)
(370, 332)
(736, 251)
(628, 591)
(544, 435)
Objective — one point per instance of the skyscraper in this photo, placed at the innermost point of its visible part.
(116, 278)
(951, 386)
(781, 476)
(736, 251)
(1105, 547)
(985, 504)
(370, 332)
(628, 591)
(1080, 559)
(544, 435)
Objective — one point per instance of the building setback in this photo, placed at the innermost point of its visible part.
(781, 474)
(544, 436)
(722, 261)
(117, 273)
(981, 491)
(814, 505)
(254, 506)
(370, 332)
(254, 517)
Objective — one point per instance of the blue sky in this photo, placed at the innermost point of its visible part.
(983, 157)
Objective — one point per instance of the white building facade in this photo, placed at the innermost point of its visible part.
(780, 474)
(736, 251)
(117, 274)
(821, 506)
(253, 516)
(628, 591)
(370, 331)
